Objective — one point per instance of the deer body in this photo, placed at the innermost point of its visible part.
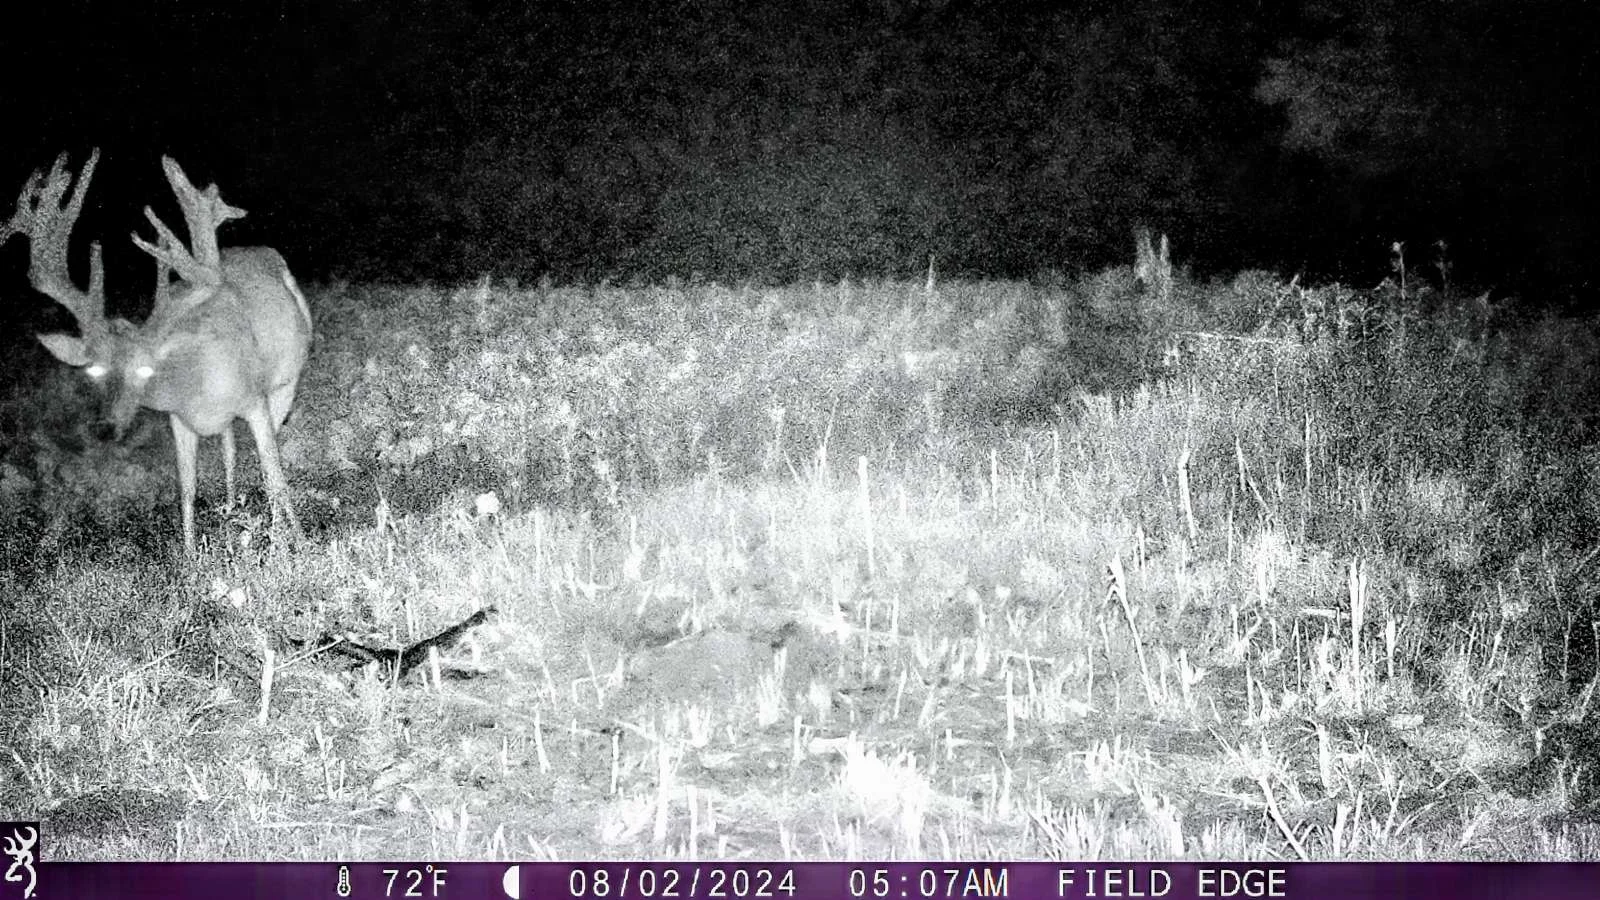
(226, 341)
(238, 355)
(248, 342)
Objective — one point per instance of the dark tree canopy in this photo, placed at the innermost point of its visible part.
(815, 138)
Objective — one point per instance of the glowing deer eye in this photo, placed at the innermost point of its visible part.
(95, 371)
(144, 371)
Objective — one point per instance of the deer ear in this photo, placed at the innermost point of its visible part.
(66, 348)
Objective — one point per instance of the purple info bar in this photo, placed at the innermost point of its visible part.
(809, 881)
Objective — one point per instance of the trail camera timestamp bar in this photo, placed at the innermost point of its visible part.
(27, 877)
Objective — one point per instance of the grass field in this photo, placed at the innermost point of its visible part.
(1068, 569)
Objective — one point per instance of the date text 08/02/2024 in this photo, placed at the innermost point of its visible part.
(903, 882)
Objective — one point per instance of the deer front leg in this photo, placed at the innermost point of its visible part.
(184, 444)
(228, 454)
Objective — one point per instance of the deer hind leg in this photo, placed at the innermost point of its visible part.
(279, 401)
(262, 428)
(228, 456)
(185, 444)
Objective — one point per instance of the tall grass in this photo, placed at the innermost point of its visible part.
(1078, 568)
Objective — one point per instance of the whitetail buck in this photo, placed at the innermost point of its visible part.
(226, 341)
(1152, 267)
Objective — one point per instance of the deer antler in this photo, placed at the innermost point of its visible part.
(200, 265)
(48, 222)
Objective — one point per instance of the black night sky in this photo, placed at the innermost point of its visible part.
(816, 138)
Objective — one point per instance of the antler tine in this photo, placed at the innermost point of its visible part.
(21, 221)
(204, 212)
(48, 223)
(170, 253)
(203, 207)
(163, 279)
(171, 305)
(200, 264)
(97, 276)
(75, 205)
